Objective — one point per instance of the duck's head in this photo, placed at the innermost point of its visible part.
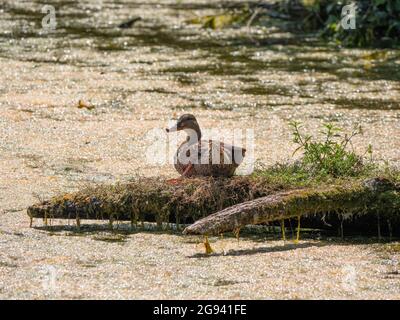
(185, 122)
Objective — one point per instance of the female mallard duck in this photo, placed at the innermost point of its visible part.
(196, 157)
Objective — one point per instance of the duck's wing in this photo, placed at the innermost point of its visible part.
(236, 153)
(232, 154)
(211, 152)
(196, 153)
(217, 152)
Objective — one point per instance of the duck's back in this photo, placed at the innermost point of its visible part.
(209, 158)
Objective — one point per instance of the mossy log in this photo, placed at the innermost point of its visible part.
(370, 196)
(154, 200)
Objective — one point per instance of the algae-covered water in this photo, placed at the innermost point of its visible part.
(133, 80)
(259, 76)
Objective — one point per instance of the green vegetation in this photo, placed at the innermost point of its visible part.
(329, 159)
(330, 155)
(377, 21)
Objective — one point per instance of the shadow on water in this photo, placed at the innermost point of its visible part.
(247, 252)
(257, 234)
(290, 246)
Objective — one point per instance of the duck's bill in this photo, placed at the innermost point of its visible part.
(172, 129)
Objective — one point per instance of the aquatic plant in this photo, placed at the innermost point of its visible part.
(330, 154)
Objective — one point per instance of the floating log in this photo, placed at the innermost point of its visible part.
(374, 195)
(255, 199)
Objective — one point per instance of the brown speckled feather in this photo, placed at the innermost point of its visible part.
(209, 158)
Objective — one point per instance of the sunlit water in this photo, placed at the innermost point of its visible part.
(134, 80)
